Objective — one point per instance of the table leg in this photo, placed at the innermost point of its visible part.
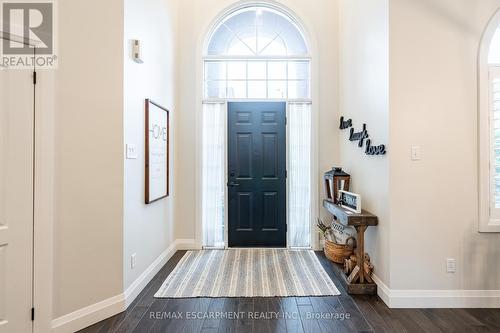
(361, 252)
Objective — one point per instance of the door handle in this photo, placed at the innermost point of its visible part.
(232, 184)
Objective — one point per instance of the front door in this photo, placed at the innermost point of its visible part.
(257, 174)
(16, 199)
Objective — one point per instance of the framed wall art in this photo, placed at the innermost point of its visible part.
(157, 151)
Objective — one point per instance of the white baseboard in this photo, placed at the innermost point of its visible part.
(437, 298)
(89, 315)
(94, 313)
(382, 290)
(140, 283)
(186, 244)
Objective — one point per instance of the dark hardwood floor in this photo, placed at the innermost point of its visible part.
(342, 313)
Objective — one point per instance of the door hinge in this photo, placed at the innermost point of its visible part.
(34, 77)
(286, 173)
(32, 314)
(286, 120)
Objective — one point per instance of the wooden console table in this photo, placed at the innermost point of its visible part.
(361, 222)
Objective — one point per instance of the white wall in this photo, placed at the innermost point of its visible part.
(433, 99)
(423, 54)
(100, 215)
(364, 98)
(320, 19)
(88, 189)
(148, 229)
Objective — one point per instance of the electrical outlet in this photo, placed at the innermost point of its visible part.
(451, 265)
(132, 261)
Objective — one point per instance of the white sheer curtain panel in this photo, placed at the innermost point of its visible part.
(299, 174)
(213, 175)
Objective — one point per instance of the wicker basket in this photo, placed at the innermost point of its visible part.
(337, 252)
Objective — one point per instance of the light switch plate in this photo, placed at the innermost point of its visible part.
(132, 153)
(451, 265)
(416, 153)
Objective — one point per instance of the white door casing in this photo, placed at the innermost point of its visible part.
(16, 199)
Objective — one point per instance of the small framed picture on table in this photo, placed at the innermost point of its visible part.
(350, 201)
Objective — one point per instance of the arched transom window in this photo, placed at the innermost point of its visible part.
(257, 52)
(257, 31)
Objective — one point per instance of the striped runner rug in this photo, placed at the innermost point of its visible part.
(247, 273)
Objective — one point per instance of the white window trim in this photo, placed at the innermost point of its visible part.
(311, 43)
(488, 221)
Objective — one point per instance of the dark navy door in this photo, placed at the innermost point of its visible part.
(257, 174)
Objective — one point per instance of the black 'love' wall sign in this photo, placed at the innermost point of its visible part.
(361, 136)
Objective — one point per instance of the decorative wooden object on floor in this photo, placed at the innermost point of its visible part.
(350, 263)
(361, 222)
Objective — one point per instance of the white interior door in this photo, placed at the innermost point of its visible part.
(16, 199)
